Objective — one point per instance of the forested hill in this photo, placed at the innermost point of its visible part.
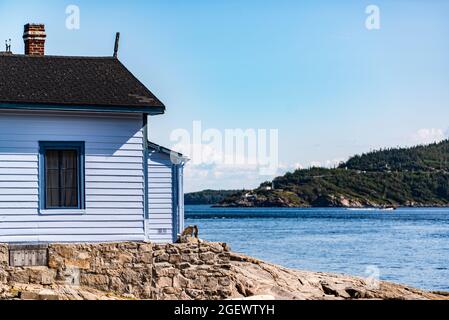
(421, 158)
(417, 176)
(208, 196)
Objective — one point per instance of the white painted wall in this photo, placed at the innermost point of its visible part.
(160, 198)
(114, 179)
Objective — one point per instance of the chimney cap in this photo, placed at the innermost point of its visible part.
(34, 30)
(34, 27)
(35, 24)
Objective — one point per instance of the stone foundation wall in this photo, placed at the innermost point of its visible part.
(134, 270)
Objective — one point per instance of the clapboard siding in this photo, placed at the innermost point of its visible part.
(92, 237)
(160, 198)
(18, 191)
(112, 165)
(114, 177)
(71, 218)
(19, 198)
(113, 185)
(93, 212)
(79, 136)
(72, 224)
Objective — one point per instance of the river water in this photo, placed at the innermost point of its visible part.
(408, 246)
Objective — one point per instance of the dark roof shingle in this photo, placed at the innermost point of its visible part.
(72, 81)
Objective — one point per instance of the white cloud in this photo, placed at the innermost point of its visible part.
(212, 168)
(222, 176)
(218, 176)
(429, 135)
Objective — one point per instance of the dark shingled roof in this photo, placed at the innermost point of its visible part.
(73, 81)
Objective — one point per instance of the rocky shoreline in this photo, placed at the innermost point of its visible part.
(279, 201)
(191, 271)
(286, 284)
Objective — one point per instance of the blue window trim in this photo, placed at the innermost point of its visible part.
(71, 145)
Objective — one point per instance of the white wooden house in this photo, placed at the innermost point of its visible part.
(75, 161)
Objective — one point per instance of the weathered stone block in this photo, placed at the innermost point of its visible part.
(171, 249)
(3, 276)
(215, 247)
(224, 293)
(157, 253)
(26, 295)
(189, 273)
(42, 275)
(172, 291)
(184, 296)
(145, 247)
(179, 281)
(116, 284)
(96, 281)
(55, 261)
(195, 294)
(4, 256)
(157, 247)
(163, 282)
(175, 258)
(130, 276)
(124, 258)
(225, 281)
(69, 276)
(20, 276)
(65, 251)
(163, 269)
(128, 246)
(162, 258)
(207, 257)
(145, 257)
(191, 258)
(184, 265)
(48, 295)
(147, 291)
(77, 263)
(211, 283)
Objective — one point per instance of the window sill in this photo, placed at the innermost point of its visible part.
(63, 211)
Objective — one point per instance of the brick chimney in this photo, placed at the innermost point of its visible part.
(34, 37)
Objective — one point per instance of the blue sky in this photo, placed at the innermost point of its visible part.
(307, 68)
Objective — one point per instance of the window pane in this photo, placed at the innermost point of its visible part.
(69, 179)
(61, 176)
(52, 159)
(70, 198)
(52, 178)
(69, 159)
(52, 198)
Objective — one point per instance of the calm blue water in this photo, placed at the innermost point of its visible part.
(409, 246)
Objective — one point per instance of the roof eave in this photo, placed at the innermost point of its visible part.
(173, 154)
(150, 110)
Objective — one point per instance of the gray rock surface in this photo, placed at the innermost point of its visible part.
(188, 271)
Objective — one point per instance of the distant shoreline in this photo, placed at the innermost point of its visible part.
(414, 177)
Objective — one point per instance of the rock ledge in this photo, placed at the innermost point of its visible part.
(190, 271)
